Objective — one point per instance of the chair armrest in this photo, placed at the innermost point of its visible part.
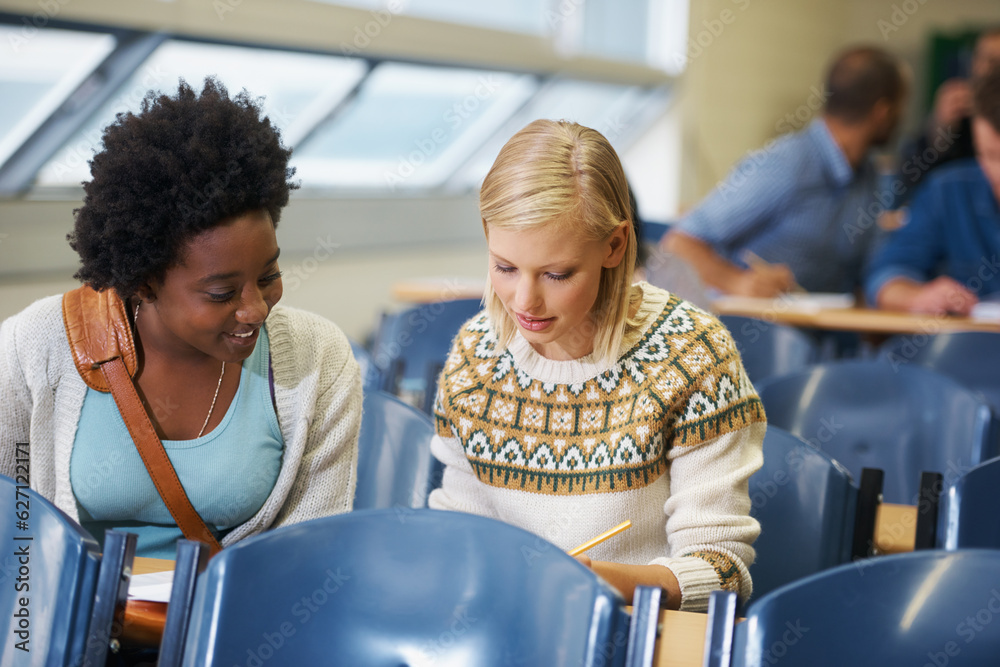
(110, 596)
(869, 498)
(643, 626)
(192, 559)
(719, 630)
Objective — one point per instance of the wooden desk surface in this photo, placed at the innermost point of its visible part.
(861, 320)
(895, 528)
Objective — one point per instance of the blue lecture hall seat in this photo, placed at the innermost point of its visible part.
(770, 349)
(805, 503)
(865, 414)
(409, 587)
(922, 608)
(395, 465)
(969, 511)
(970, 357)
(61, 563)
(411, 346)
(370, 378)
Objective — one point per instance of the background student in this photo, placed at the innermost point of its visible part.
(947, 255)
(796, 203)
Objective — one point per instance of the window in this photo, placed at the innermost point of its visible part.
(410, 126)
(39, 69)
(611, 110)
(298, 89)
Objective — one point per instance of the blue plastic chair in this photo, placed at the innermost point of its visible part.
(969, 511)
(970, 357)
(370, 377)
(385, 587)
(395, 464)
(61, 562)
(411, 346)
(920, 608)
(866, 415)
(805, 503)
(770, 349)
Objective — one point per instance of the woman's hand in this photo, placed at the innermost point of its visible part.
(626, 577)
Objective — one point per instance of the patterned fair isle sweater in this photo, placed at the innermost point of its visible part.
(667, 437)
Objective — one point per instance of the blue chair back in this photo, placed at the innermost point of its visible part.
(805, 503)
(770, 349)
(970, 357)
(395, 465)
(370, 377)
(969, 510)
(865, 414)
(59, 561)
(919, 608)
(411, 346)
(388, 587)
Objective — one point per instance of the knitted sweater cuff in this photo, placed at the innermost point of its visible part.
(697, 579)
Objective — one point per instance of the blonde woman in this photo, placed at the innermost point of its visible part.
(578, 400)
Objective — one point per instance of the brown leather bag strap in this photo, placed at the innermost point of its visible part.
(154, 456)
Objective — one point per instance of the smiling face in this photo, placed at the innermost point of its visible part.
(548, 279)
(215, 299)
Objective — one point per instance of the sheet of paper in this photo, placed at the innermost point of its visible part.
(804, 302)
(154, 586)
(986, 310)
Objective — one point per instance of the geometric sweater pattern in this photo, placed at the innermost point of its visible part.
(680, 384)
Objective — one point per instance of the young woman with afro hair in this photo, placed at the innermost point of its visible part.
(258, 406)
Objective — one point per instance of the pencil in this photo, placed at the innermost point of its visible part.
(600, 538)
(754, 259)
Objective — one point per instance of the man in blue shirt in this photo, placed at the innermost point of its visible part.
(797, 211)
(947, 256)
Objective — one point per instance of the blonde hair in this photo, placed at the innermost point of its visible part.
(557, 172)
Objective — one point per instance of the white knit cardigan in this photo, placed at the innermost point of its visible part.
(317, 388)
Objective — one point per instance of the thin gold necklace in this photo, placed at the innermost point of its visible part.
(222, 373)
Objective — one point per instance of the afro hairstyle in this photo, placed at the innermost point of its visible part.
(182, 165)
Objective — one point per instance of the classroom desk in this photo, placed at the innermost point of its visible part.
(860, 320)
(895, 528)
(442, 288)
(144, 620)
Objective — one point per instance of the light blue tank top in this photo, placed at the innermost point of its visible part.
(227, 473)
